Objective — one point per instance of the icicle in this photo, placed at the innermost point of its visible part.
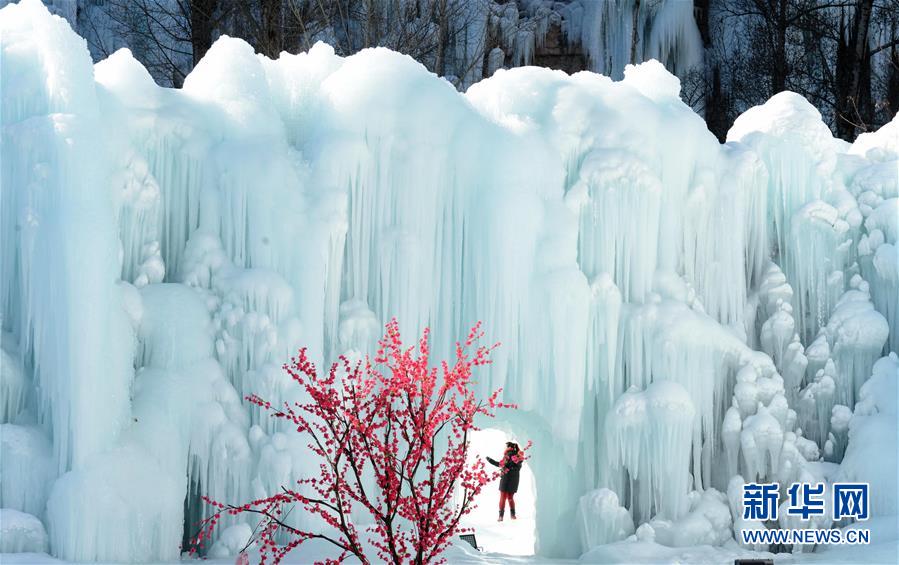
(674, 39)
(620, 222)
(879, 261)
(14, 385)
(761, 442)
(730, 437)
(617, 33)
(27, 467)
(816, 403)
(856, 333)
(839, 436)
(648, 435)
(819, 238)
(359, 329)
(799, 153)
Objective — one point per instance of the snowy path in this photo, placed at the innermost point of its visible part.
(511, 537)
(632, 554)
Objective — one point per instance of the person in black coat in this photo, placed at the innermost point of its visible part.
(508, 483)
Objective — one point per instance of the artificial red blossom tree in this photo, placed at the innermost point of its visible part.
(391, 438)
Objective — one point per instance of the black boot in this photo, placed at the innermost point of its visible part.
(500, 516)
(512, 513)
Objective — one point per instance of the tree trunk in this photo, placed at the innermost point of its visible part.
(716, 107)
(701, 15)
(853, 76)
(201, 13)
(779, 72)
(634, 34)
(372, 32)
(270, 44)
(892, 95)
(442, 37)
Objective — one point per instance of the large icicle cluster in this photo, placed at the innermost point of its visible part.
(677, 316)
(616, 33)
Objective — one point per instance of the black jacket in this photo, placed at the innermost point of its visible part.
(509, 480)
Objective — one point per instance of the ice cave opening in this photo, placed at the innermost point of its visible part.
(510, 537)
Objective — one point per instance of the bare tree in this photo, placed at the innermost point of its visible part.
(821, 49)
(168, 36)
(436, 33)
(842, 55)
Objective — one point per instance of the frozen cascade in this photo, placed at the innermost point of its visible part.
(648, 434)
(879, 259)
(875, 185)
(674, 39)
(800, 155)
(27, 468)
(602, 385)
(874, 423)
(13, 383)
(671, 339)
(761, 442)
(835, 446)
(821, 243)
(817, 403)
(760, 432)
(618, 187)
(94, 513)
(707, 523)
(193, 388)
(617, 33)
(21, 533)
(602, 519)
(776, 328)
(201, 235)
(620, 198)
(856, 334)
(186, 416)
(53, 162)
(883, 270)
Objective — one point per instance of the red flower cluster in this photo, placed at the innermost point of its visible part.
(391, 438)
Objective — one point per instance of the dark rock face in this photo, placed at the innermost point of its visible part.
(557, 52)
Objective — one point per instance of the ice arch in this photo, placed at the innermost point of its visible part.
(511, 537)
(595, 226)
(555, 488)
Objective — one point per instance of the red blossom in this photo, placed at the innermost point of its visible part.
(396, 420)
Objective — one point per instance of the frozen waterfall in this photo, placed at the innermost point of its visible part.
(677, 316)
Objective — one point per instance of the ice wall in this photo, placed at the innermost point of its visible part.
(617, 33)
(59, 263)
(675, 314)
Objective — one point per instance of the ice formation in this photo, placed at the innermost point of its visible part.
(677, 316)
(872, 425)
(21, 533)
(617, 33)
(602, 519)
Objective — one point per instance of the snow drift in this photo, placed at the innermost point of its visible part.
(676, 314)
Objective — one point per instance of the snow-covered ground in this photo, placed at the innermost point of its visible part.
(678, 317)
(633, 553)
